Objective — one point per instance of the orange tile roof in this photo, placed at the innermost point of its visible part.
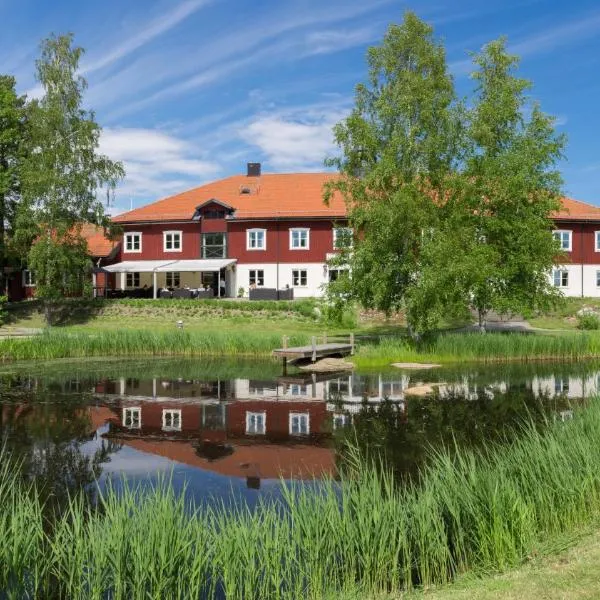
(272, 195)
(577, 210)
(286, 195)
(98, 243)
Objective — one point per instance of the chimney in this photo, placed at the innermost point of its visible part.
(253, 170)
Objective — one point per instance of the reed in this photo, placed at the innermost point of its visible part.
(469, 511)
(64, 344)
(476, 347)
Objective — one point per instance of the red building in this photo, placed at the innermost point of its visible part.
(272, 235)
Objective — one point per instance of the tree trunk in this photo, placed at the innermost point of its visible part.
(481, 314)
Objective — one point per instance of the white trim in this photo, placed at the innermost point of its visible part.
(249, 415)
(129, 234)
(256, 230)
(138, 409)
(173, 233)
(25, 284)
(561, 284)
(299, 415)
(596, 245)
(335, 236)
(172, 412)
(300, 229)
(300, 285)
(560, 232)
(256, 277)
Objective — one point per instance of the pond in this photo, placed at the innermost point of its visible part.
(229, 430)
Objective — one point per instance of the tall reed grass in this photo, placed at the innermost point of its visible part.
(64, 344)
(476, 347)
(470, 510)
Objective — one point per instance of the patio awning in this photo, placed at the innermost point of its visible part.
(162, 266)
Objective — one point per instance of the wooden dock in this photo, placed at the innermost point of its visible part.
(315, 351)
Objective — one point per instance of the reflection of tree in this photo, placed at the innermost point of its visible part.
(404, 439)
(44, 431)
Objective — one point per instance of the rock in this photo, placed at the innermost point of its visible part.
(317, 312)
(327, 365)
(419, 390)
(415, 366)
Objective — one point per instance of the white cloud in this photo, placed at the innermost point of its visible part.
(291, 141)
(336, 40)
(157, 164)
(149, 32)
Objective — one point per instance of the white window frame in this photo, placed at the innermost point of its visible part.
(299, 415)
(27, 278)
(257, 278)
(172, 412)
(249, 415)
(299, 230)
(598, 279)
(132, 275)
(173, 233)
(561, 271)
(335, 236)
(299, 271)
(345, 419)
(560, 232)
(131, 235)
(249, 233)
(131, 409)
(596, 240)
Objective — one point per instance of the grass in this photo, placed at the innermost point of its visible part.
(470, 512)
(476, 347)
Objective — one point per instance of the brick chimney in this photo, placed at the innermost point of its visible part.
(253, 170)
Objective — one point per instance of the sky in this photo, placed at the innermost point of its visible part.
(188, 91)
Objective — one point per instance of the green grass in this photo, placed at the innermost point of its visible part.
(58, 343)
(477, 347)
(470, 512)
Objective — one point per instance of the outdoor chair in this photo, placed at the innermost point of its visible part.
(204, 294)
(182, 293)
(165, 294)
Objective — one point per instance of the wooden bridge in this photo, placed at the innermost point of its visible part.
(315, 351)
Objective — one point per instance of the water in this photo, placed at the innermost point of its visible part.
(228, 431)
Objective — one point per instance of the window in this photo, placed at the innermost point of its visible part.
(298, 390)
(299, 278)
(597, 238)
(334, 274)
(214, 245)
(256, 239)
(172, 241)
(340, 420)
(173, 280)
(342, 237)
(299, 239)
(299, 423)
(28, 278)
(132, 418)
(256, 423)
(561, 278)
(597, 278)
(133, 242)
(132, 280)
(257, 277)
(214, 214)
(561, 385)
(171, 420)
(563, 237)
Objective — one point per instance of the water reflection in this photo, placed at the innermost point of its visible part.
(218, 432)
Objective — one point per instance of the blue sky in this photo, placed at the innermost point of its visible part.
(190, 90)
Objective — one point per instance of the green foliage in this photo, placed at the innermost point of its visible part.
(12, 154)
(588, 321)
(3, 314)
(453, 205)
(471, 511)
(63, 174)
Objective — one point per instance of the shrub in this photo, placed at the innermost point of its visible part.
(588, 321)
(3, 301)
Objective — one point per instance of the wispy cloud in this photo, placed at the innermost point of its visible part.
(149, 32)
(336, 40)
(573, 32)
(156, 162)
